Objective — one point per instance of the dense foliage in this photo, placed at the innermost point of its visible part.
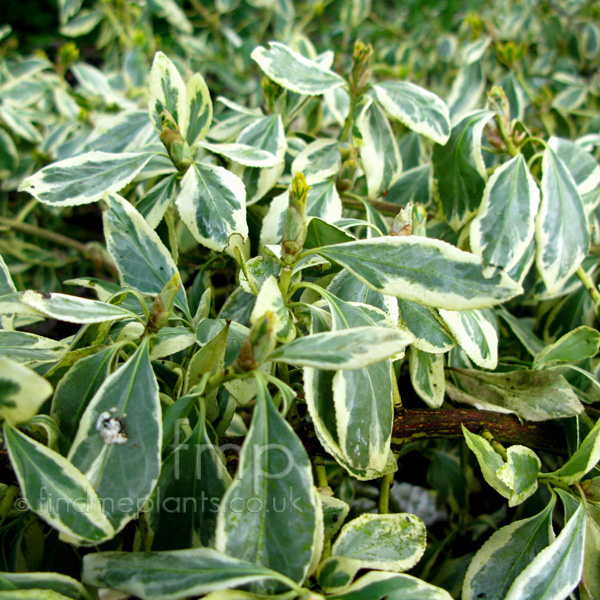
(260, 260)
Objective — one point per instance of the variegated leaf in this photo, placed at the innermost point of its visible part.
(379, 154)
(427, 376)
(172, 575)
(475, 334)
(556, 571)
(562, 232)
(212, 204)
(459, 171)
(118, 443)
(270, 299)
(56, 490)
(295, 72)
(425, 324)
(505, 554)
(84, 178)
(318, 161)
(199, 109)
(73, 309)
(345, 349)
(394, 542)
(423, 270)
(520, 473)
(273, 462)
(420, 110)
(167, 92)
(142, 259)
(22, 391)
(30, 348)
(504, 226)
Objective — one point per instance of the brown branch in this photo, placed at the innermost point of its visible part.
(413, 425)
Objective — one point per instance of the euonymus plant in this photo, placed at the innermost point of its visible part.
(282, 266)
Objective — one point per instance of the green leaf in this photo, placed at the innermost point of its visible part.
(504, 226)
(321, 233)
(192, 482)
(212, 204)
(426, 325)
(533, 395)
(56, 490)
(200, 109)
(78, 386)
(345, 349)
(294, 71)
(30, 348)
(61, 584)
(583, 460)
(577, 345)
(171, 575)
(489, 461)
(505, 554)
(420, 110)
(475, 334)
(73, 309)
(555, 572)
(142, 259)
(22, 391)
(336, 573)
(520, 473)
(167, 92)
(379, 154)
(118, 442)
(394, 542)
(271, 514)
(427, 376)
(562, 232)
(459, 171)
(589, 587)
(84, 178)
(391, 586)
(424, 270)
(335, 512)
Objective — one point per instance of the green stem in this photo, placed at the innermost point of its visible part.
(7, 502)
(285, 281)
(320, 472)
(384, 494)
(506, 138)
(355, 202)
(220, 378)
(242, 264)
(60, 240)
(349, 119)
(589, 286)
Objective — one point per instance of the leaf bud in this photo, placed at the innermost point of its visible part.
(361, 58)
(259, 344)
(161, 308)
(294, 221)
(176, 146)
(272, 91)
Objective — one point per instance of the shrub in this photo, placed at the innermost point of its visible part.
(302, 284)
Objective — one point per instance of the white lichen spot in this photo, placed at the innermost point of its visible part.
(111, 428)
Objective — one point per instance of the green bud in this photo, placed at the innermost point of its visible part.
(161, 308)
(176, 146)
(361, 59)
(259, 344)
(419, 220)
(294, 222)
